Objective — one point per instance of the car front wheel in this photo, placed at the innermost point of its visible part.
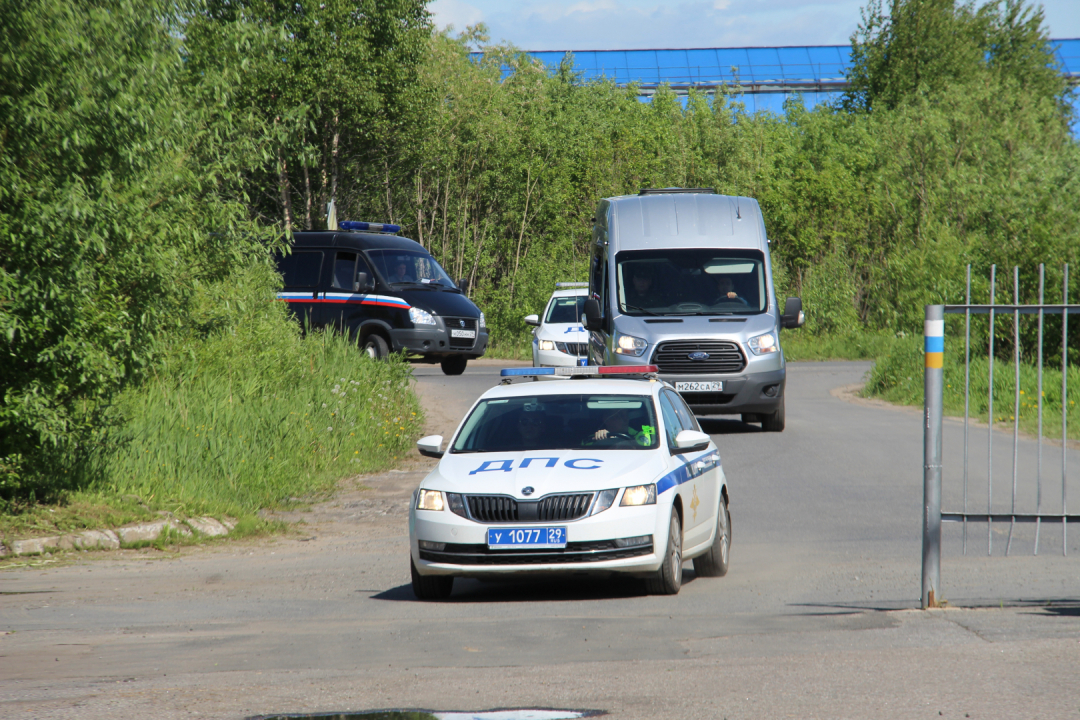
(375, 347)
(431, 587)
(668, 579)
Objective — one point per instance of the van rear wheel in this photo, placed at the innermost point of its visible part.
(454, 365)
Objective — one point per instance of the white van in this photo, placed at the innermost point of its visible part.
(681, 278)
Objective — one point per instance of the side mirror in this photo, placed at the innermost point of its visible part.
(463, 285)
(592, 315)
(691, 440)
(362, 283)
(533, 320)
(793, 315)
(430, 446)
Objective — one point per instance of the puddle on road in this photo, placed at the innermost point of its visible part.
(510, 714)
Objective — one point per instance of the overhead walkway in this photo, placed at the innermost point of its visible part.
(765, 75)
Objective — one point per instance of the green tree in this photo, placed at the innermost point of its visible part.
(119, 194)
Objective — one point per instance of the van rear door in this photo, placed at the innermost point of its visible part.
(301, 271)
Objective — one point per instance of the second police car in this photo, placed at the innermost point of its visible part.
(560, 338)
(609, 473)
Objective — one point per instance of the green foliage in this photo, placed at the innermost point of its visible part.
(221, 429)
(119, 194)
(898, 377)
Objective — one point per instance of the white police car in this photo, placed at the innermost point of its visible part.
(608, 472)
(560, 339)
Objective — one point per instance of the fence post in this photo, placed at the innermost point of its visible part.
(934, 332)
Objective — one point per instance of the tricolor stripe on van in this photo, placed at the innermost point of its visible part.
(345, 298)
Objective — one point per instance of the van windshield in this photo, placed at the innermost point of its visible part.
(407, 267)
(691, 282)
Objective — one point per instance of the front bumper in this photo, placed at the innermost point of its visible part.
(758, 392)
(591, 545)
(434, 341)
(554, 358)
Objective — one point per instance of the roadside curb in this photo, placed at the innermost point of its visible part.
(116, 538)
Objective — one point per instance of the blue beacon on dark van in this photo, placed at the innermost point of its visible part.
(385, 291)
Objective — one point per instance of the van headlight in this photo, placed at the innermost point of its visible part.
(763, 344)
(420, 317)
(629, 345)
(483, 322)
(547, 345)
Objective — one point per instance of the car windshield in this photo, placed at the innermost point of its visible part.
(409, 266)
(559, 422)
(566, 309)
(691, 282)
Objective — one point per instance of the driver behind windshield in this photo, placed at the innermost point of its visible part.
(400, 271)
(641, 291)
(616, 425)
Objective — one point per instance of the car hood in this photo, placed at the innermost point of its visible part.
(546, 471)
(440, 302)
(563, 332)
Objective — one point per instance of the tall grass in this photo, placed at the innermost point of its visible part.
(241, 413)
(898, 377)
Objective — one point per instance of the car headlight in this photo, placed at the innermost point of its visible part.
(630, 345)
(547, 345)
(604, 498)
(430, 500)
(763, 344)
(420, 317)
(483, 322)
(639, 495)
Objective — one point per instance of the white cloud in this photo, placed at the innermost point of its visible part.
(456, 13)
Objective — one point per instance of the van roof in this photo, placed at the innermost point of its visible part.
(354, 240)
(685, 220)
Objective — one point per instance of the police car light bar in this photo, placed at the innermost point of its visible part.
(369, 227)
(571, 284)
(587, 371)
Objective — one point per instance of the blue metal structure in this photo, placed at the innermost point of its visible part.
(765, 75)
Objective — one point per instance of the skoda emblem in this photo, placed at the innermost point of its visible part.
(698, 356)
(527, 490)
(461, 322)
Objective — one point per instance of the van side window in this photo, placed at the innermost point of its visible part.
(301, 269)
(344, 270)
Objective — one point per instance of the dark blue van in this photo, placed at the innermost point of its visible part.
(385, 291)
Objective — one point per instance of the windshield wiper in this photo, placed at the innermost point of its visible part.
(647, 312)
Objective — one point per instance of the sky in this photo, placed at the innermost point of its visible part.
(641, 24)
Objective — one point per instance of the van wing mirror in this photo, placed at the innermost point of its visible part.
(533, 320)
(793, 315)
(430, 446)
(463, 285)
(592, 314)
(362, 283)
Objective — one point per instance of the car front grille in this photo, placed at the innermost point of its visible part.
(579, 349)
(503, 509)
(453, 323)
(580, 552)
(673, 358)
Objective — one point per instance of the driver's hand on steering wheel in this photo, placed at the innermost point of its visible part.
(600, 434)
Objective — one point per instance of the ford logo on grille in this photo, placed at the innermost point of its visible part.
(698, 356)
(527, 490)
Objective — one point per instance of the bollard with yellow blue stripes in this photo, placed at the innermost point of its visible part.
(934, 331)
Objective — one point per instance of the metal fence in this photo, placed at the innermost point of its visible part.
(933, 515)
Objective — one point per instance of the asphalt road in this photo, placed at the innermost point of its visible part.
(816, 619)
